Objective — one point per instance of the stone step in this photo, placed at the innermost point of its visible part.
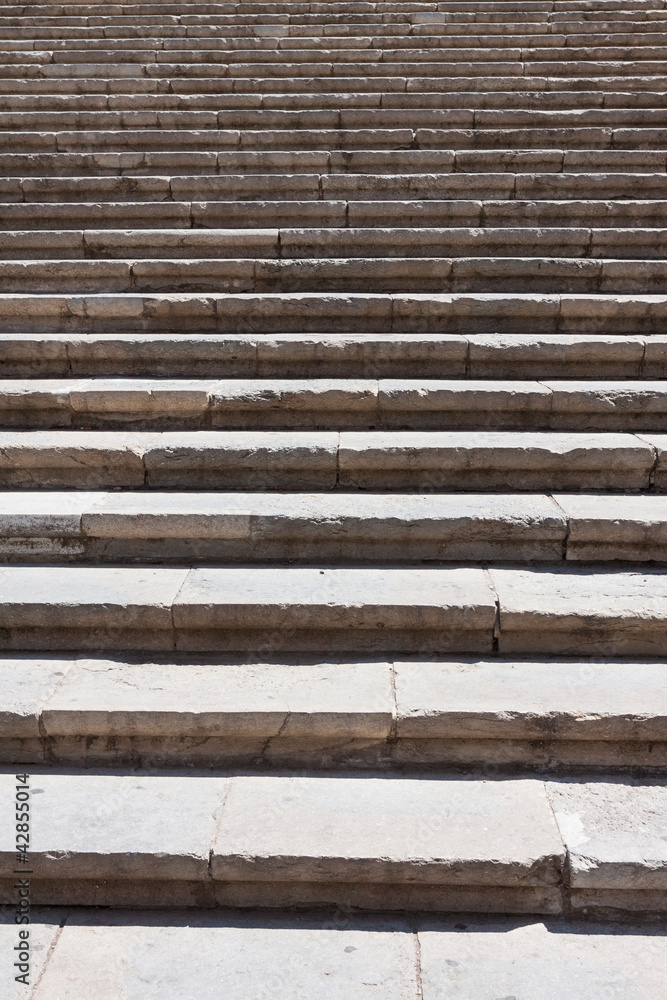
(652, 64)
(397, 842)
(425, 12)
(346, 355)
(403, 404)
(349, 461)
(163, 29)
(360, 610)
(149, 140)
(611, 253)
(286, 37)
(553, 714)
(318, 958)
(470, 101)
(585, 165)
(414, 12)
(179, 528)
(533, 272)
(310, 312)
(333, 15)
(619, 119)
(568, 219)
(505, 185)
(339, 84)
(149, 45)
(507, 22)
(149, 49)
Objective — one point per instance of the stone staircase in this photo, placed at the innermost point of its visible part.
(333, 449)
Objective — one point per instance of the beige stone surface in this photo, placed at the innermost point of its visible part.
(613, 832)
(494, 460)
(365, 598)
(578, 611)
(76, 596)
(25, 684)
(41, 514)
(615, 527)
(42, 935)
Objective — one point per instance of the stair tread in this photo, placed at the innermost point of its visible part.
(338, 829)
(445, 699)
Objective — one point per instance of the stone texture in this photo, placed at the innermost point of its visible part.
(387, 830)
(101, 826)
(482, 959)
(125, 954)
(615, 527)
(614, 833)
(438, 599)
(577, 699)
(237, 701)
(615, 612)
(43, 933)
(323, 308)
(25, 683)
(79, 596)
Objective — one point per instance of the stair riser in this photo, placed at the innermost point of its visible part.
(159, 893)
(281, 416)
(201, 750)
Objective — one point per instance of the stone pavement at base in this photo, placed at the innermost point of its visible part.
(184, 955)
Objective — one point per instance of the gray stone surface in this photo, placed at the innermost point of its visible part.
(117, 826)
(261, 701)
(81, 596)
(42, 935)
(308, 314)
(478, 959)
(370, 829)
(615, 527)
(493, 460)
(25, 683)
(555, 700)
(137, 955)
(43, 514)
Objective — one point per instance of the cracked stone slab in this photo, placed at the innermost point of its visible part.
(43, 934)
(25, 684)
(88, 597)
(257, 700)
